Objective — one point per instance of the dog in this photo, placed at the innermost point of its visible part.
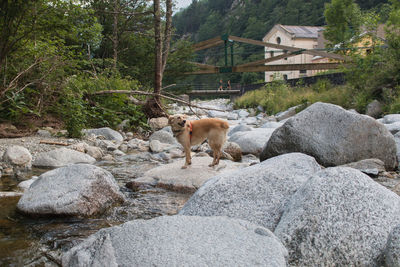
(190, 133)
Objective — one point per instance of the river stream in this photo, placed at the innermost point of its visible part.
(27, 241)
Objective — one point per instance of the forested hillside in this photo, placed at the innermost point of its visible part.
(252, 19)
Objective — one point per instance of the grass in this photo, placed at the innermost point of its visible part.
(278, 96)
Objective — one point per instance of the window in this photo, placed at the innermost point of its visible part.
(285, 77)
(303, 71)
(278, 40)
(271, 53)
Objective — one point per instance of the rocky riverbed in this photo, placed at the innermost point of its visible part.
(55, 192)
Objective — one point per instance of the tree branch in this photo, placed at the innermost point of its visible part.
(129, 92)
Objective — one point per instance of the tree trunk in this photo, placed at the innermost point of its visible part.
(115, 34)
(158, 49)
(168, 33)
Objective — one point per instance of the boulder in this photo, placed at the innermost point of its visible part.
(164, 137)
(392, 250)
(156, 146)
(107, 132)
(179, 241)
(18, 156)
(233, 150)
(173, 177)
(286, 114)
(74, 190)
(257, 193)
(333, 136)
(158, 123)
(243, 113)
(94, 152)
(239, 128)
(60, 157)
(391, 118)
(81, 147)
(339, 217)
(374, 109)
(252, 142)
(24, 185)
(368, 166)
(393, 127)
(271, 124)
(217, 114)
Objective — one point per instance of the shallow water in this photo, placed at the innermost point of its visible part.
(26, 241)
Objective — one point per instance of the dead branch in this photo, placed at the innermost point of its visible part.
(129, 92)
(48, 142)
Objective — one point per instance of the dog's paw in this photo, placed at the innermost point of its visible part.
(184, 167)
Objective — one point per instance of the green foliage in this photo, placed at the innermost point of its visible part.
(343, 18)
(80, 108)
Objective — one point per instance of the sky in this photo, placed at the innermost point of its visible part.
(182, 3)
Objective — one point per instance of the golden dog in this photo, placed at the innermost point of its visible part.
(190, 133)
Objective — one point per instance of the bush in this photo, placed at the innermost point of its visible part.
(278, 96)
(81, 109)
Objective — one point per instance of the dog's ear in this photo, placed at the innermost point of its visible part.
(170, 119)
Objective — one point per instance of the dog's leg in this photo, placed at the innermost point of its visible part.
(188, 158)
(216, 154)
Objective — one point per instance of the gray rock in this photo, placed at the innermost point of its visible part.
(397, 140)
(43, 133)
(108, 133)
(18, 156)
(392, 250)
(252, 142)
(239, 128)
(171, 175)
(257, 193)
(243, 113)
(217, 114)
(94, 152)
(232, 116)
(179, 241)
(158, 123)
(393, 127)
(27, 183)
(272, 124)
(339, 217)
(164, 137)
(286, 114)
(374, 109)
(333, 136)
(157, 147)
(250, 120)
(60, 157)
(368, 166)
(391, 118)
(233, 150)
(74, 190)
(168, 129)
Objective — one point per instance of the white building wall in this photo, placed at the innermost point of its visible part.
(287, 40)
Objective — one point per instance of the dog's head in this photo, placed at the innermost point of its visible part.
(177, 121)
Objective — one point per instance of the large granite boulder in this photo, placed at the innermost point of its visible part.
(60, 157)
(74, 190)
(108, 133)
(179, 241)
(252, 142)
(339, 217)
(333, 136)
(257, 193)
(18, 156)
(392, 251)
(173, 177)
